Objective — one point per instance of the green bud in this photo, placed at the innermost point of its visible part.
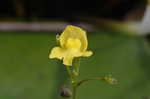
(110, 80)
(58, 39)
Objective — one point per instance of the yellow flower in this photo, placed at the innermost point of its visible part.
(73, 43)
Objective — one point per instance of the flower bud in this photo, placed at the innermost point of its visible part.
(58, 39)
(65, 92)
(110, 80)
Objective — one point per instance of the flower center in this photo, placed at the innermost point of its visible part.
(73, 43)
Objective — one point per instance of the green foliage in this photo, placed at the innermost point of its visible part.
(27, 73)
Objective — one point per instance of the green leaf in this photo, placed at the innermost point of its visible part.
(27, 73)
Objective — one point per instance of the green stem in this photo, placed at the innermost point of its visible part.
(106, 79)
(73, 74)
(73, 79)
(74, 92)
(73, 82)
(76, 66)
(70, 74)
(85, 80)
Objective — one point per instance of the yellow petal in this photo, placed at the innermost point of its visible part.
(75, 33)
(87, 53)
(73, 43)
(57, 52)
(70, 55)
(68, 60)
(74, 52)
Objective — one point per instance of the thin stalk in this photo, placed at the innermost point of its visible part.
(74, 92)
(106, 79)
(85, 80)
(70, 74)
(73, 82)
(73, 74)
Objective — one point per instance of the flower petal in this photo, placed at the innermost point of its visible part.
(73, 44)
(68, 60)
(57, 52)
(87, 53)
(70, 55)
(75, 33)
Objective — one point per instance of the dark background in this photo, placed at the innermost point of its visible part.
(68, 9)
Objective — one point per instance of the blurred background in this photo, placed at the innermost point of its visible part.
(118, 34)
(30, 10)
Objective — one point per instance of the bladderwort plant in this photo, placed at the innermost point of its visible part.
(73, 44)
